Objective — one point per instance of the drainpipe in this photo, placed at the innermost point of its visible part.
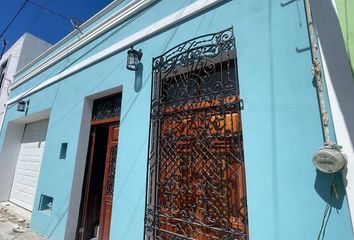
(329, 158)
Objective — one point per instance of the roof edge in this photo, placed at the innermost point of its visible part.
(70, 35)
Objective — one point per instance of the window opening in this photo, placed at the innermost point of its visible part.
(196, 179)
(63, 150)
(2, 72)
(46, 204)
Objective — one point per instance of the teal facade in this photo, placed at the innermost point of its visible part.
(286, 197)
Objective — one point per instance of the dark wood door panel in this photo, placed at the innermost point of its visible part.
(108, 183)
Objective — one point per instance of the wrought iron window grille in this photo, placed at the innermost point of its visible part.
(196, 182)
(107, 107)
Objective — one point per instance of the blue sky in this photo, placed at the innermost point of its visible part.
(42, 23)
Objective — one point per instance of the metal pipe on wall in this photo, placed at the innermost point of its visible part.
(317, 72)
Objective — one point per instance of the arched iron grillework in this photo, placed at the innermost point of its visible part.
(196, 182)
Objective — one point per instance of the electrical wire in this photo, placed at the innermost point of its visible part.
(37, 17)
(9, 24)
(49, 10)
(327, 211)
(73, 21)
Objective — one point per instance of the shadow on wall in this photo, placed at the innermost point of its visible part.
(331, 188)
(138, 83)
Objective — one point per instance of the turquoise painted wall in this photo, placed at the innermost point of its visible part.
(281, 122)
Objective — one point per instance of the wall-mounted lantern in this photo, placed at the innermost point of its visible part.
(133, 59)
(22, 105)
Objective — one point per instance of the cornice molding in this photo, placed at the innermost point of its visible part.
(117, 18)
(174, 18)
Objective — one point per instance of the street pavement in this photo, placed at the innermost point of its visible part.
(14, 227)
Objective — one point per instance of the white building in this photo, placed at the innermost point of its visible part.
(27, 48)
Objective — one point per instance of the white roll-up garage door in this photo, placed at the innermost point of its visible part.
(28, 164)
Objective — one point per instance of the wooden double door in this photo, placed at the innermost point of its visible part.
(98, 187)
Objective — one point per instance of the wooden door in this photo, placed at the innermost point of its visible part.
(97, 192)
(199, 170)
(108, 183)
(87, 218)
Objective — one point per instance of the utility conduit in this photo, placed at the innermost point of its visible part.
(317, 72)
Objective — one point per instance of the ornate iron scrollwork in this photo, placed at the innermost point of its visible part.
(196, 182)
(112, 168)
(107, 107)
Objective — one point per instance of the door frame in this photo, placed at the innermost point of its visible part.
(83, 205)
(81, 158)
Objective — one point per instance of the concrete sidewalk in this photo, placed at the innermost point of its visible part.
(14, 226)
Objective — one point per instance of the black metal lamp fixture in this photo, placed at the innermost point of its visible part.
(22, 105)
(133, 59)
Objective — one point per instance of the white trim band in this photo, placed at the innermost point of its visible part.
(117, 18)
(152, 29)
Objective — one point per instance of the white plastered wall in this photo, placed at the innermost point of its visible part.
(10, 150)
(8, 158)
(12, 57)
(22, 52)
